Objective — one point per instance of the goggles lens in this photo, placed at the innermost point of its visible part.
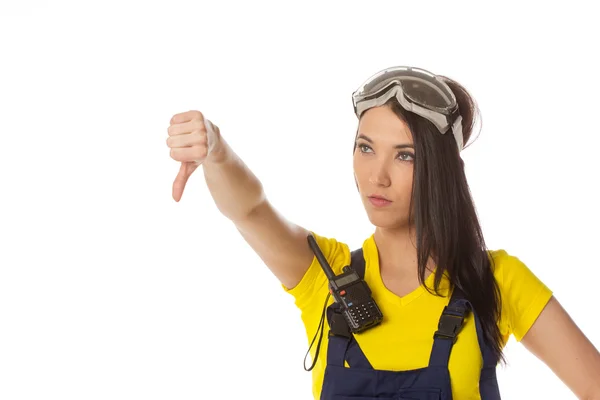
(418, 85)
(416, 90)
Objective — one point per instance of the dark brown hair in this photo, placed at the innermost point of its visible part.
(447, 225)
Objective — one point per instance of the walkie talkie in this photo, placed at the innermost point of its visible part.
(351, 293)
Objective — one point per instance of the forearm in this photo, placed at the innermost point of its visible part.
(233, 186)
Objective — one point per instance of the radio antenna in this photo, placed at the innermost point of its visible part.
(321, 258)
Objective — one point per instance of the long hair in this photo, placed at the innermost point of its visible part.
(447, 226)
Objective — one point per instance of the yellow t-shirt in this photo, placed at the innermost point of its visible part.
(405, 338)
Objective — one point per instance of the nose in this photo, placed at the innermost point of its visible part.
(379, 176)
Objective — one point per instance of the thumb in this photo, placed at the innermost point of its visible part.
(185, 171)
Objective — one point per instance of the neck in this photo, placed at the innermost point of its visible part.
(397, 249)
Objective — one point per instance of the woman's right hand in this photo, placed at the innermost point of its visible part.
(239, 196)
(192, 139)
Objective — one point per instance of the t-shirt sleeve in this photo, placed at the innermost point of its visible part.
(524, 295)
(314, 281)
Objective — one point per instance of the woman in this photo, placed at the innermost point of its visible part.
(448, 303)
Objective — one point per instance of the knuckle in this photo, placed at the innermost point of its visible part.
(200, 152)
(197, 115)
(200, 126)
(198, 134)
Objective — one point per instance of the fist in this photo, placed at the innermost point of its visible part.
(191, 140)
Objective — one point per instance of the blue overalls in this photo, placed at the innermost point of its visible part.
(362, 382)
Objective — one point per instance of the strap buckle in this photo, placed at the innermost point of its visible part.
(338, 325)
(449, 325)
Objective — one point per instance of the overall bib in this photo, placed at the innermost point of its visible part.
(362, 382)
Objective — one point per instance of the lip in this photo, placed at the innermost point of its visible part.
(379, 201)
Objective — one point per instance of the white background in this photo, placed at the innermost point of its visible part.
(109, 289)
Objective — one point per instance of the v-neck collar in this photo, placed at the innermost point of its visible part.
(373, 275)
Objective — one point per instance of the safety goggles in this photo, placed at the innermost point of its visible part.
(416, 90)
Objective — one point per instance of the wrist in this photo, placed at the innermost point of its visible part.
(217, 148)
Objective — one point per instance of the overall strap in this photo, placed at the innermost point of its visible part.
(488, 383)
(486, 352)
(342, 346)
(357, 261)
(449, 326)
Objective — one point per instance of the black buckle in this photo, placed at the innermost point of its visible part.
(338, 325)
(449, 326)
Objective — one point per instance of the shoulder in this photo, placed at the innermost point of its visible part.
(501, 261)
(337, 254)
(509, 268)
(522, 292)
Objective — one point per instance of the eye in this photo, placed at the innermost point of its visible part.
(362, 147)
(403, 157)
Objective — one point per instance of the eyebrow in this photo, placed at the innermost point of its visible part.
(398, 146)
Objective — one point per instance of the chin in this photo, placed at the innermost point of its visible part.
(384, 220)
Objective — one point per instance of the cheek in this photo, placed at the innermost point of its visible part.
(358, 173)
(402, 182)
(362, 180)
(358, 182)
(407, 182)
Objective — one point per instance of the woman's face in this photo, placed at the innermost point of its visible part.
(383, 166)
